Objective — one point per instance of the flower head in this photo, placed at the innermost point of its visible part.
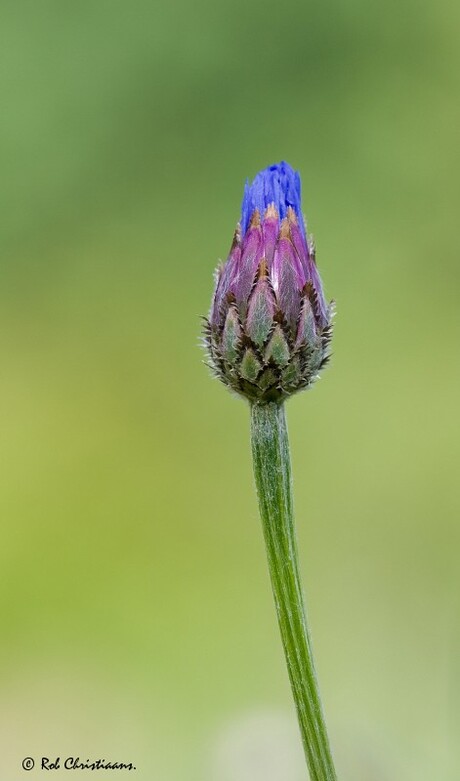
(269, 327)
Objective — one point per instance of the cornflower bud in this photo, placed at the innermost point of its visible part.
(269, 328)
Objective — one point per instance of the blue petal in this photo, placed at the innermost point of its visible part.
(278, 184)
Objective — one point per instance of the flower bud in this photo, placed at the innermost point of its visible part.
(269, 328)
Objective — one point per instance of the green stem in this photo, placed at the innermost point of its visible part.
(272, 471)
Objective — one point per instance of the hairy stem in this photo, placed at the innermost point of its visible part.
(272, 471)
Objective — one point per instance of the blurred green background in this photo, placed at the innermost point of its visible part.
(137, 620)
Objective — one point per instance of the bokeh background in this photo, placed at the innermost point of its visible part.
(137, 620)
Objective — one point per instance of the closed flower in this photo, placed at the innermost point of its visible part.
(269, 328)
